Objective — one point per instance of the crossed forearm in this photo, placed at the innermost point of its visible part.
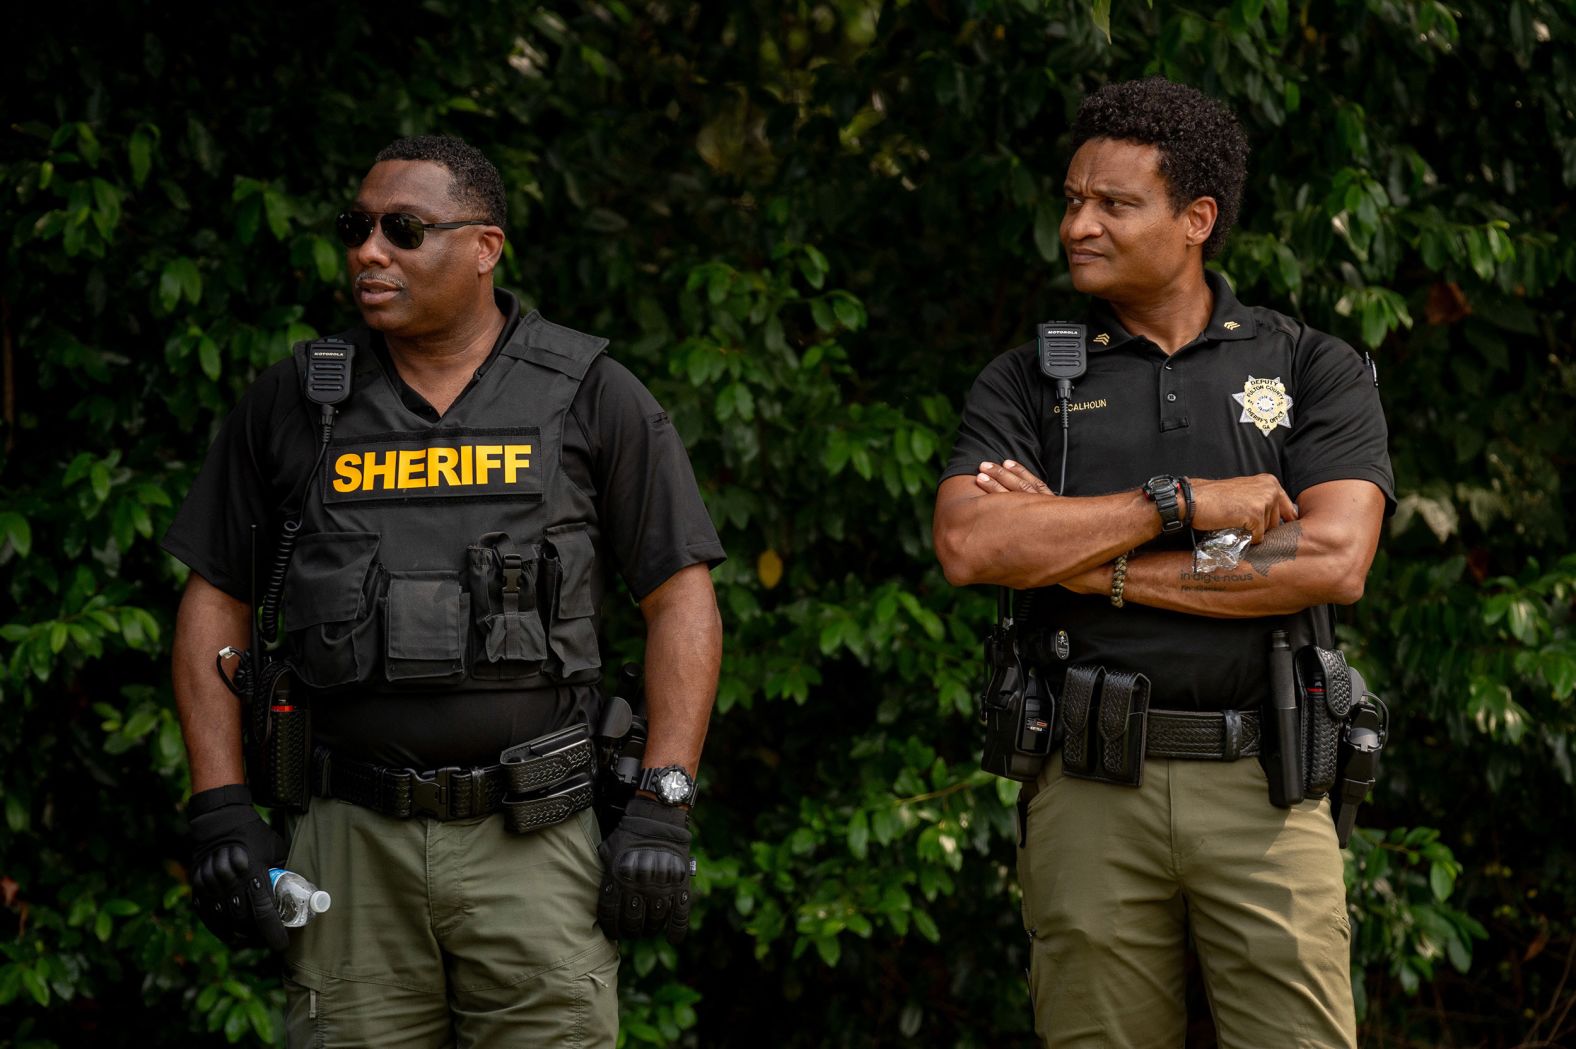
(1296, 566)
(1025, 540)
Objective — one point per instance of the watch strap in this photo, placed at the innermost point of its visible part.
(1162, 491)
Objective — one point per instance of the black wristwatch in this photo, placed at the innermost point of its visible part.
(670, 783)
(1163, 491)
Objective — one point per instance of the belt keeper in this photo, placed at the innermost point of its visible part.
(394, 785)
(1231, 746)
(322, 771)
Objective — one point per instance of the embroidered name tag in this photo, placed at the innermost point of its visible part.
(493, 465)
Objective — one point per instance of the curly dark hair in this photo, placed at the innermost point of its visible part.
(474, 184)
(1203, 152)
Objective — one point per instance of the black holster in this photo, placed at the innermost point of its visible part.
(1324, 692)
(620, 738)
(1334, 740)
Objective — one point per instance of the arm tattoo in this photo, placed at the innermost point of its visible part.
(1279, 545)
(1214, 582)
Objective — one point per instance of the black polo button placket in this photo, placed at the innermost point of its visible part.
(1173, 394)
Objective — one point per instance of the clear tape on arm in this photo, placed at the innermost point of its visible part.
(1220, 550)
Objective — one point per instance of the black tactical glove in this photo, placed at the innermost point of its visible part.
(232, 849)
(646, 873)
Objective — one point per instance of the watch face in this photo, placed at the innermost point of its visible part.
(673, 786)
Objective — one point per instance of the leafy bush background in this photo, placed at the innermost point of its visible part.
(807, 225)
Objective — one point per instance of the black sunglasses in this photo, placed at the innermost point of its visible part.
(402, 230)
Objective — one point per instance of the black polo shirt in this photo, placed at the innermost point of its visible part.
(1255, 392)
(619, 446)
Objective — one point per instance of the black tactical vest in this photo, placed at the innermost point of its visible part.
(450, 555)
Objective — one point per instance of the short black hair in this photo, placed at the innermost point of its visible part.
(474, 183)
(1203, 152)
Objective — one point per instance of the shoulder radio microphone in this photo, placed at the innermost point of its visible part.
(1064, 356)
(327, 378)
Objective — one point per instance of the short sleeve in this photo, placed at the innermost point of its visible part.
(1338, 426)
(1000, 419)
(649, 507)
(238, 487)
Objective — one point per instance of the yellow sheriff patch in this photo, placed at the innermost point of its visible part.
(433, 467)
(1265, 404)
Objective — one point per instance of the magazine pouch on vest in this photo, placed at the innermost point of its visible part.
(569, 563)
(510, 641)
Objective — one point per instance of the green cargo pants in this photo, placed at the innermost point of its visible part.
(1115, 878)
(449, 934)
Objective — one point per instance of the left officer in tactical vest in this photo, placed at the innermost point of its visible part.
(430, 505)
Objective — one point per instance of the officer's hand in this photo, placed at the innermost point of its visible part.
(646, 874)
(1009, 477)
(1254, 504)
(232, 849)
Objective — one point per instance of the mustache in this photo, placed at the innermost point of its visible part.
(369, 277)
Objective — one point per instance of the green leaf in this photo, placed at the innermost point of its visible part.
(18, 531)
(17, 816)
(277, 208)
(98, 478)
(236, 1022)
(821, 313)
(261, 1020)
(88, 144)
(139, 150)
(140, 723)
(1100, 11)
(325, 256)
(208, 356)
(848, 311)
(180, 278)
(1047, 231)
(859, 835)
(169, 287)
(34, 982)
(1442, 880)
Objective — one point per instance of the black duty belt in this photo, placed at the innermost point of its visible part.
(535, 784)
(1203, 735)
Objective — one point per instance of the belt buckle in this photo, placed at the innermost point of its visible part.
(430, 793)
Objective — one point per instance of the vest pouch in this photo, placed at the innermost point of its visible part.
(426, 621)
(509, 640)
(570, 577)
(329, 608)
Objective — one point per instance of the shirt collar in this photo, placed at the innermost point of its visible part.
(1229, 321)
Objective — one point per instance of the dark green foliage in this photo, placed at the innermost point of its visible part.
(807, 226)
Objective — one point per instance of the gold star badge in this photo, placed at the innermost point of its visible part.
(1265, 404)
(1231, 325)
(1103, 339)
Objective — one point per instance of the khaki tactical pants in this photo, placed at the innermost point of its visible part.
(1115, 878)
(449, 934)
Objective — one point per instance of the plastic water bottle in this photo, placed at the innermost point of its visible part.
(298, 900)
